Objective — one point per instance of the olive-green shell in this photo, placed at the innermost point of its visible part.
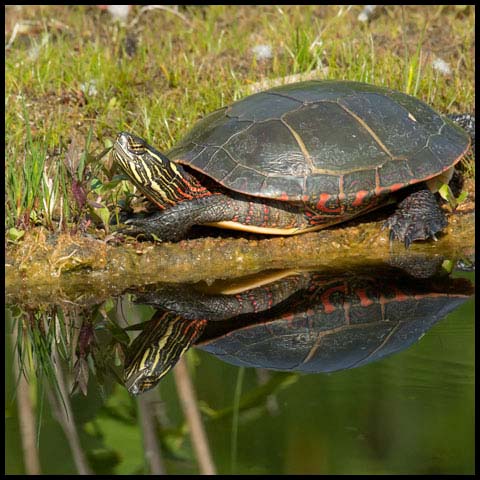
(298, 141)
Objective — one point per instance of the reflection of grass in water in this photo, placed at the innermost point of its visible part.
(22, 395)
(37, 333)
(73, 339)
(56, 349)
(252, 400)
(40, 350)
(42, 345)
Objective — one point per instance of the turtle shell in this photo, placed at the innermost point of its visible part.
(345, 139)
(348, 322)
(303, 321)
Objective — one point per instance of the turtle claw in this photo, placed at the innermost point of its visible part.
(137, 226)
(134, 232)
(407, 242)
(391, 235)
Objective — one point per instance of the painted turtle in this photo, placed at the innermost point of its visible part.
(298, 158)
(306, 322)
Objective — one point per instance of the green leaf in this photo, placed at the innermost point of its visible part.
(14, 234)
(447, 265)
(462, 197)
(156, 239)
(112, 103)
(103, 188)
(445, 192)
(99, 213)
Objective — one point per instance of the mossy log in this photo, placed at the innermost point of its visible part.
(81, 269)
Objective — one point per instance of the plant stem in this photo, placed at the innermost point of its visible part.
(236, 410)
(152, 450)
(66, 419)
(26, 418)
(188, 400)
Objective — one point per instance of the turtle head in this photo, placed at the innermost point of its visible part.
(151, 171)
(162, 181)
(158, 348)
(133, 153)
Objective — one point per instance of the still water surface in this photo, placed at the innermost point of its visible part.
(408, 412)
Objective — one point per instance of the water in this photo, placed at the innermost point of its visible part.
(411, 411)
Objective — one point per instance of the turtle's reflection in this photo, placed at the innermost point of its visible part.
(290, 321)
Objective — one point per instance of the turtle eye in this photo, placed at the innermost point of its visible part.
(136, 147)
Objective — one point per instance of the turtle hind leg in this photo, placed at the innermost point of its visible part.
(417, 217)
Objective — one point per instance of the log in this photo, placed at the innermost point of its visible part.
(46, 268)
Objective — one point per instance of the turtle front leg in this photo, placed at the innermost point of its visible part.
(173, 224)
(228, 211)
(417, 217)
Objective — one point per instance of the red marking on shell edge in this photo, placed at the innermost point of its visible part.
(283, 196)
(395, 187)
(327, 305)
(364, 300)
(321, 204)
(288, 317)
(400, 296)
(359, 198)
(329, 308)
(391, 188)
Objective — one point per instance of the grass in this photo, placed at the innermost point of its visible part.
(72, 82)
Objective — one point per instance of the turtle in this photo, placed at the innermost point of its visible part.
(298, 158)
(310, 322)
